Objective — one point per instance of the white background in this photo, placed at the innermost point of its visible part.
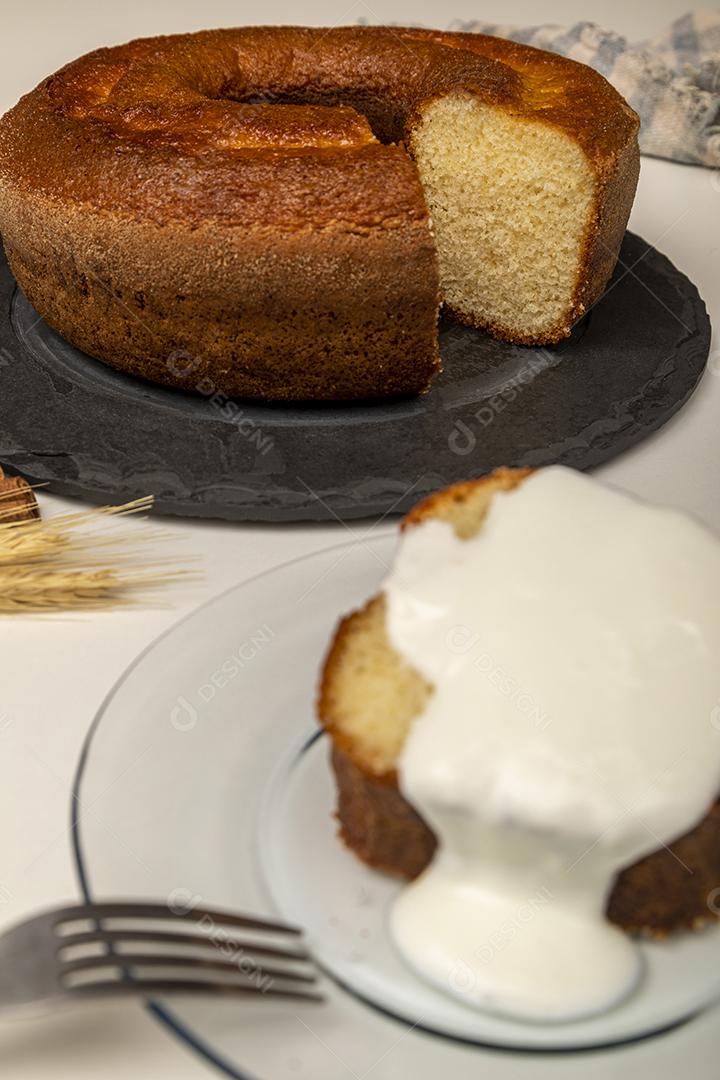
(54, 673)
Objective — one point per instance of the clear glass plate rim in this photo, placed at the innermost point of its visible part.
(161, 1013)
(164, 1015)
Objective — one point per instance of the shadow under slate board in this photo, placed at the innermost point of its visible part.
(91, 432)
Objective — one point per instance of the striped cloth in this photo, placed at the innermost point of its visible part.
(672, 80)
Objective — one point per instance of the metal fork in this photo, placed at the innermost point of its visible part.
(90, 951)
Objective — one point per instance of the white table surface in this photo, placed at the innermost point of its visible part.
(54, 673)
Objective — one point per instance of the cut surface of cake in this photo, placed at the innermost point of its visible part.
(509, 238)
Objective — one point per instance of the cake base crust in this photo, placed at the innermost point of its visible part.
(672, 889)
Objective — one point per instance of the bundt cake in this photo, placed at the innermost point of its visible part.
(277, 212)
(371, 698)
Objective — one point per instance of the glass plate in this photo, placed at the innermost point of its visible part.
(204, 780)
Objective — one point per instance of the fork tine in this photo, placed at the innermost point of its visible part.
(130, 910)
(144, 987)
(160, 937)
(128, 961)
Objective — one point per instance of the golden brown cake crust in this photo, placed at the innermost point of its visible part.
(246, 323)
(376, 822)
(445, 503)
(281, 244)
(671, 889)
(676, 887)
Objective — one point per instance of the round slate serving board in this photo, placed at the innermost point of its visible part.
(106, 437)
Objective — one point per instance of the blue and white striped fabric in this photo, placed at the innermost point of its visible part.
(672, 80)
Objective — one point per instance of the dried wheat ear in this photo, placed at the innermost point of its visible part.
(75, 561)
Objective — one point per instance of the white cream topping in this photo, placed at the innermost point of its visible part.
(573, 645)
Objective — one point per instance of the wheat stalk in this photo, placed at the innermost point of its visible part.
(75, 561)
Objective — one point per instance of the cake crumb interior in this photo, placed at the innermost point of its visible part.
(510, 201)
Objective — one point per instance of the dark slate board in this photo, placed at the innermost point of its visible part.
(106, 437)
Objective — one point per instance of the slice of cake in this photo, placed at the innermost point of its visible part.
(535, 687)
